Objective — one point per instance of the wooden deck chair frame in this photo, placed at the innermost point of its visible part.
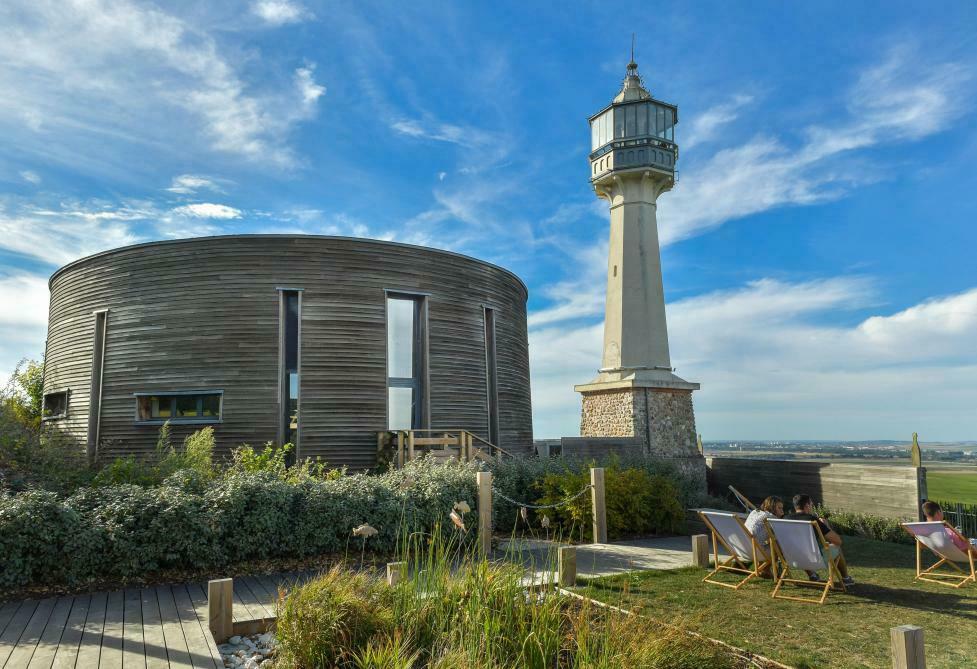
(930, 575)
(734, 564)
(742, 499)
(782, 574)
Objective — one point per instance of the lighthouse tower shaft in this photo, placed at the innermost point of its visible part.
(635, 330)
(636, 394)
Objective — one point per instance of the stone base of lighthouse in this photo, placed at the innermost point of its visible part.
(631, 417)
(661, 421)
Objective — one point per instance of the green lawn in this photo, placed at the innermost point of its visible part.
(952, 486)
(849, 630)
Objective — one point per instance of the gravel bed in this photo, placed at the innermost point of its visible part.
(248, 652)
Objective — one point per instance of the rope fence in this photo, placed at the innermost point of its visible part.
(486, 492)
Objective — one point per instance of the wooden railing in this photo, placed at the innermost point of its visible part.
(444, 444)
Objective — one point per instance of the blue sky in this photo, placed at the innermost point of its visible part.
(818, 250)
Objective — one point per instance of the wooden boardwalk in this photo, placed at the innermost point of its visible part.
(150, 628)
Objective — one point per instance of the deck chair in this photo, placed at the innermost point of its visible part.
(799, 544)
(746, 556)
(937, 536)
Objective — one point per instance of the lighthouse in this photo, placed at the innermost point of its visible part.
(636, 392)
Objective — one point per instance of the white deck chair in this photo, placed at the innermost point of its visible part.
(799, 544)
(938, 537)
(747, 556)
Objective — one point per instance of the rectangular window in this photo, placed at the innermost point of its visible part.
(630, 121)
(55, 405)
(291, 307)
(192, 406)
(618, 122)
(95, 390)
(406, 367)
(491, 377)
(642, 119)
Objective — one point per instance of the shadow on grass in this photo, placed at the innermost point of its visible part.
(950, 603)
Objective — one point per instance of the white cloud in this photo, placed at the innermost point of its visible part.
(59, 237)
(185, 184)
(706, 125)
(904, 98)
(308, 88)
(280, 12)
(774, 362)
(77, 73)
(23, 319)
(23, 300)
(30, 177)
(207, 210)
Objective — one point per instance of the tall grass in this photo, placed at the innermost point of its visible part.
(457, 610)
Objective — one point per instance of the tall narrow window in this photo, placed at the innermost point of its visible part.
(95, 393)
(405, 362)
(491, 377)
(291, 305)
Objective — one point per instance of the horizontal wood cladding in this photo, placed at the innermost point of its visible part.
(203, 314)
(880, 490)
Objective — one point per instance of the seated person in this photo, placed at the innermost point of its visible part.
(804, 510)
(772, 507)
(934, 514)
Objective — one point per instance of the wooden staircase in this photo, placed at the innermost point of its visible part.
(439, 445)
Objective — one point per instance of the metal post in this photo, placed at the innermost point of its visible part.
(600, 510)
(484, 480)
(907, 647)
(220, 602)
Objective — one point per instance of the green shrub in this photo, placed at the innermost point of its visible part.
(638, 503)
(44, 540)
(519, 478)
(190, 521)
(43, 457)
(866, 525)
(274, 460)
(196, 455)
(327, 620)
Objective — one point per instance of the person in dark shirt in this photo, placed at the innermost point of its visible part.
(804, 510)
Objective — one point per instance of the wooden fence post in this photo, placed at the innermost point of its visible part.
(484, 480)
(410, 445)
(907, 647)
(600, 510)
(400, 449)
(220, 602)
(396, 571)
(566, 566)
(700, 551)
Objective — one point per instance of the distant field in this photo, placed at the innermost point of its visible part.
(952, 486)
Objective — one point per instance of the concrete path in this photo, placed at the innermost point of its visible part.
(604, 559)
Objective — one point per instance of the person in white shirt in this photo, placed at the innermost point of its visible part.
(772, 507)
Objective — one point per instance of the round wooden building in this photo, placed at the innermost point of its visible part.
(324, 342)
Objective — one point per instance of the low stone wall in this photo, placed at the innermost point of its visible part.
(892, 492)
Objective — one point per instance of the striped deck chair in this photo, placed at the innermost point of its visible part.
(746, 556)
(937, 536)
(799, 544)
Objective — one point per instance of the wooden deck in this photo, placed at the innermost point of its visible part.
(150, 628)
